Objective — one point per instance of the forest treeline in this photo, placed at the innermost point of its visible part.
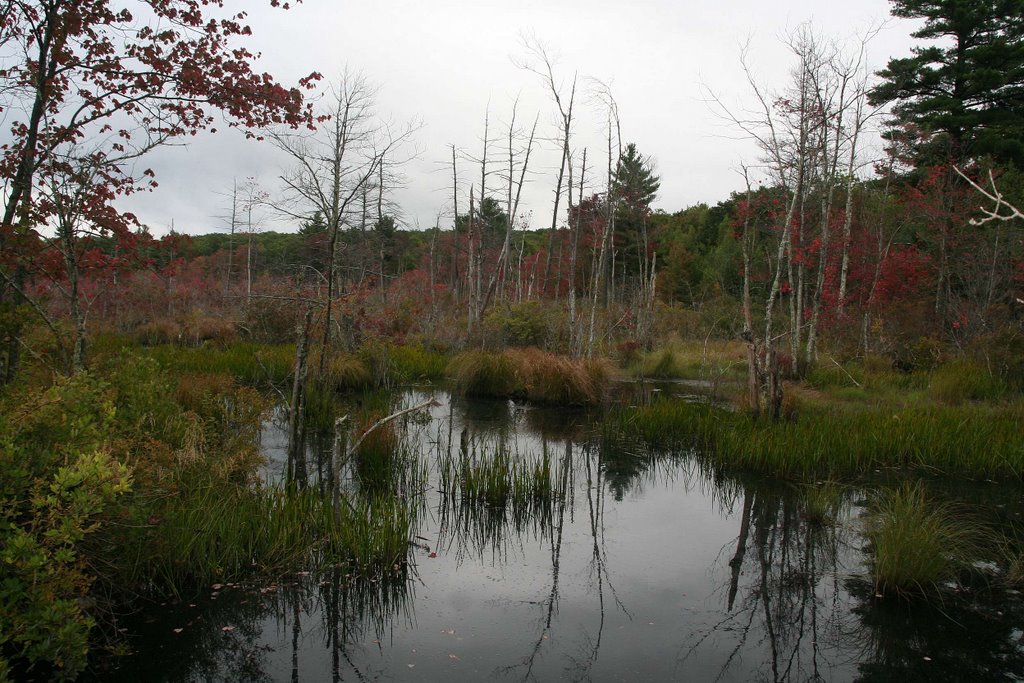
(889, 253)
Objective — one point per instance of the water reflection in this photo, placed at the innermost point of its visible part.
(977, 635)
(636, 565)
(783, 590)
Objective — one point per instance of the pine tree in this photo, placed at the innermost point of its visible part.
(962, 97)
(636, 186)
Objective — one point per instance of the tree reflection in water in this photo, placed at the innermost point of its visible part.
(589, 567)
(783, 588)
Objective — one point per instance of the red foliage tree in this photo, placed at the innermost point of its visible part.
(92, 86)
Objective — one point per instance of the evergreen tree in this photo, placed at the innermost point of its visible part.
(314, 226)
(961, 97)
(636, 186)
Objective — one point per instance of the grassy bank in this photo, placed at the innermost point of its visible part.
(977, 441)
(215, 533)
(138, 478)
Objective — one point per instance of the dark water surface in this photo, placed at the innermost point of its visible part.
(648, 567)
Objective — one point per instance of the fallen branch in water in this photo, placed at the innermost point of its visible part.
(384, 420)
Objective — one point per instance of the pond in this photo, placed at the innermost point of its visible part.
(640, 566)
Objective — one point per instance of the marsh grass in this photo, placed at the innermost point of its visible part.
(391, 365)
(821, 504)
(490, 498)
(1015, 569)
(870, 380)
(482, 373)
(499, 479)
(960, 381)
(322, 407)
(1011, 546)
(379, 457)
(502, 481)
(918, 545)
(345, 372)
(550, 378)
(213, 534)
(662, 365)
(251, 363)
(532, 374)
(980, 441)
(678, 359)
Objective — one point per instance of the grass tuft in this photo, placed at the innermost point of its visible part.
(480, 373)
(532, 374)
(919, 545)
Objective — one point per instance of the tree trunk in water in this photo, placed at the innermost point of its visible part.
(297, 412)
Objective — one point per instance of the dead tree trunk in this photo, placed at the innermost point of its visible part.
(297, 408)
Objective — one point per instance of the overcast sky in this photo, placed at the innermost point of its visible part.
(444, 63)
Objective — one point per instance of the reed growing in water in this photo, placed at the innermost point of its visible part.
(918, 545)
(216, 534)
(981, 441)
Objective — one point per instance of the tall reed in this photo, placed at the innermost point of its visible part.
(918, 545)
(214, 534)
(249, 362)
(975, 440)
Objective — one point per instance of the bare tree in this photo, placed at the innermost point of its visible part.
(515, 179)
(601, 272)
(541, 62)
(806, 133)
(1000, 213)
(1002, 210)
(334, 164)
(230, 220)
(251, 198)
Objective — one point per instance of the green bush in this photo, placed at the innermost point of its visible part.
(68, 454)
(46, 578)
(522, 324)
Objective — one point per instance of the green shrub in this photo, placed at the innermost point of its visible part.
(520, 324)
(46, 579)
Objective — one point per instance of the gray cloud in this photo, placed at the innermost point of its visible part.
(446, 62)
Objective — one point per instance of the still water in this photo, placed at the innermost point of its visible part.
(644, 567)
